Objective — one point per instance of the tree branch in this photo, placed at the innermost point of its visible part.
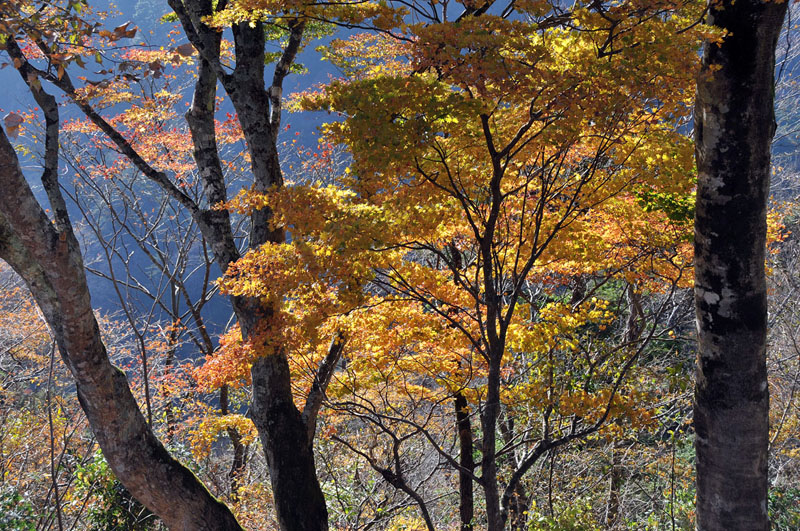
(321, 380)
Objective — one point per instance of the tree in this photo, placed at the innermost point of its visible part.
(734, 125)
(44, 251)
(130, 218)
(507, 155)
(49, 260)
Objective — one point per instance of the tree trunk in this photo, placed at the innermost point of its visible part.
(633, 330)
(495, 518)
(169, 364)
(299, 501)
(466, 498)
(239, 460)
(515, 501)
(518, 508)
(734, 125)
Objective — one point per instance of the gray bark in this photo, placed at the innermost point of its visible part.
(734, 125)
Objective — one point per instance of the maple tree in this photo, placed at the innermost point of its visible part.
(127, 215)
(292, 465)
(490, 279)
(485, 163)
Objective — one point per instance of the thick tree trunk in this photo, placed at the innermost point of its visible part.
(48, 258)
(299, 501)
(734, 124)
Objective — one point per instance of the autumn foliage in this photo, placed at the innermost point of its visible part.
(481, 270)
